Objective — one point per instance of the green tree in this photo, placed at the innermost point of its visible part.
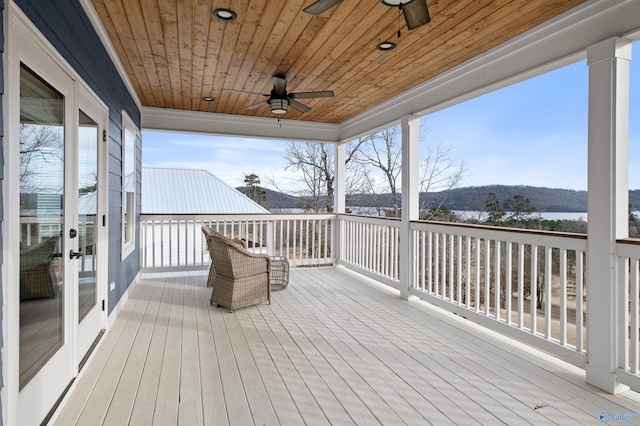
(633, 220)
(440, 214)
(254, 190)
(520, 212)
(495, 213)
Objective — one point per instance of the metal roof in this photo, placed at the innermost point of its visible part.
(186, 191)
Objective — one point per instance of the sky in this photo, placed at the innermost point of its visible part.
(531, 133)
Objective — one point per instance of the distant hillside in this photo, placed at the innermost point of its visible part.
(473, 198)
(277, 200)
(469, 198)
(544, 199)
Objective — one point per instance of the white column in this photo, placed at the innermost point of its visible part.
(338, 198)
(410, 203)
(608, 195)
(339, 178)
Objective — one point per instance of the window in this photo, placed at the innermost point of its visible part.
(129, 133)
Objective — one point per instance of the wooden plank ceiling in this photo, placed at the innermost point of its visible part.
(175, 53)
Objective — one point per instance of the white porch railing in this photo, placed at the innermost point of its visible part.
(484, 274)
(371, 246)
(526, 284)
(177, 242)
(628, 273)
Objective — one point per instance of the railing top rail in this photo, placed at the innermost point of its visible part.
(504, 229)
(628, 247)
(629, 241)
(388, 221)
(236, 216)
(526, 236)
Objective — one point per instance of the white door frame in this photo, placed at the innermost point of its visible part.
(27, 45)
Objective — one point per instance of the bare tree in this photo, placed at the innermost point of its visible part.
(373, 172)
(439, 172)
(39, 145)
(314, 163)
(38, 141)
(382, 152)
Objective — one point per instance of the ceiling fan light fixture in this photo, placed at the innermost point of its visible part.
(279, 105)
(395, 3)
(226, 15)
(386, 45)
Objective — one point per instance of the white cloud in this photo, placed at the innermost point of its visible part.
(237, 144)
(230, 159)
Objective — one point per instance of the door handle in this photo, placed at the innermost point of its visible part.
(75, 254)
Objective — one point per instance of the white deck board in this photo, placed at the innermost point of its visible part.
(275, 387)
(145, 401)
(300, 394)
(95, 411)
(330, 349)
(124, 395)
(190, 386)
(168, 389)
(214, 410)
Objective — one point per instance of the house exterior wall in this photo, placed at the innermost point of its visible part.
(67, 27)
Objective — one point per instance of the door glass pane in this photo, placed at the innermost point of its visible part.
(41, 222)
(87, 208)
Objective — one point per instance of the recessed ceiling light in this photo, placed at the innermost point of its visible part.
(208, 99)
(393, 3)
(227, 15)
(386, 45)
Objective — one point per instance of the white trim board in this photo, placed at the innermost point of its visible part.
(125, 296)
(106, 42)
(173, 120)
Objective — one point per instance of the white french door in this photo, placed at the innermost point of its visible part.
(56, 181)
(90, 246)
(90, 251)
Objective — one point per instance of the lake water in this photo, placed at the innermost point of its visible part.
(466, 214)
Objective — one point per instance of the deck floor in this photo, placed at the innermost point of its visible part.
(330, 349)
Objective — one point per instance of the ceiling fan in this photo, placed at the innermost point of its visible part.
(415, 11)
(279, 100)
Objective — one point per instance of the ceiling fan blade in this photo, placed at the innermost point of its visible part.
(309, 95)
(279, 84)
(320, 6)
(298, 106)
(416, 13)
(258, 105)
(244, 91)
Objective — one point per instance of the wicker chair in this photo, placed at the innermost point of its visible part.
(37, 275)
(239, 278)
(207, 230)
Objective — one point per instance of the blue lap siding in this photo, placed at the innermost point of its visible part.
(65, 24)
